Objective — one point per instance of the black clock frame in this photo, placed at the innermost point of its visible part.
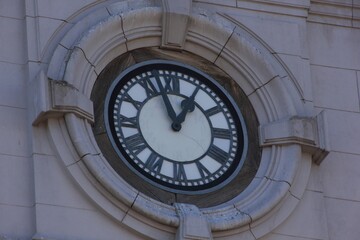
(150, 65)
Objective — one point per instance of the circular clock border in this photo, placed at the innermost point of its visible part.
(203, 200)
(235, 160)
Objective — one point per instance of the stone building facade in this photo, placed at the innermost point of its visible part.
(292, 66)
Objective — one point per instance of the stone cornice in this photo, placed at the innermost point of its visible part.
(340, 13)
(310, 133)
(56, 98)
(287, 7)
(335, 12)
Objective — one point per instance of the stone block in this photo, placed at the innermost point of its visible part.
(315, 182)
(193, 224)
(278, 216)
(207, 34)
(50, 98)
(13, 125)
(82, 26)
(310, 133)
(60, 142)
(175, 23)
(340, 174)
(13, 40)
(244, 235)
(34, 69)
(271, 30)
(56, 222)
(356, 14)
(300, 69)
(49, 8)
(46, 28)
(77, 61)
(98, 38)
(57, 64)
(358, 83)
(32, 44)
(16, 222)
(327, 46)
(113, 205)
(13, 86)
(53, 185)
(335, 88)
(276, 236)
(344, 129)
(342, 219)
(229, 3)
(308, 219)
(148, 229)
(294, 130)
(250, 53)
(141, 18)
(12, 8)
(16, 180)
(296, 8)
(345, 2)
(40, 143)
(142, 28)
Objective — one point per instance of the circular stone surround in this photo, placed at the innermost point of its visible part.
(281, 178)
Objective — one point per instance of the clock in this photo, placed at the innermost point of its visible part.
(175, 127)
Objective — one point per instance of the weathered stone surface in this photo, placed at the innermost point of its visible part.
(193, 225)
(299, 54)
(175, 23)
(335, 88)
(55, 98)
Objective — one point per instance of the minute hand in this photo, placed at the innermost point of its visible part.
(169, 108)
(188, 105)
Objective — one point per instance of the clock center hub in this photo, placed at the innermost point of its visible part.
(187, 144)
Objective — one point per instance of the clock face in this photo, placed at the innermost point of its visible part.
(175, 127)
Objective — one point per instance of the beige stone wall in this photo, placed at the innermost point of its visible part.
(317, 42)
(16, 171)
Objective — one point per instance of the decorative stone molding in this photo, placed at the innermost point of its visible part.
(341, 13)
(56, 98)
(175, 23)
(286, 161)
(295, 8)
(193, 225)
(310, 133)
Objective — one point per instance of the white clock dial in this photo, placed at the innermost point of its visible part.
(175, 127)
(186, 145)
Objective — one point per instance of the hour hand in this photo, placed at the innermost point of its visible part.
(188, 105)
(170, 110)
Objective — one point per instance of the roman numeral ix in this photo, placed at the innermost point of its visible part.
(135, 143)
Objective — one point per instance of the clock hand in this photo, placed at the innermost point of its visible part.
(169, 108)
(188, 105)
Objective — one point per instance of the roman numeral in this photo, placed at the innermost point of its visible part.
(217, 154)
(135, 143)
(154, 163)
(179, 172)
(149, 87)
(129, 99)
(172, 84)
(213, 111)
(128, 122)
(222, 133)
(204, 172)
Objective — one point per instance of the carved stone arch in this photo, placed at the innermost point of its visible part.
(290, 139)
